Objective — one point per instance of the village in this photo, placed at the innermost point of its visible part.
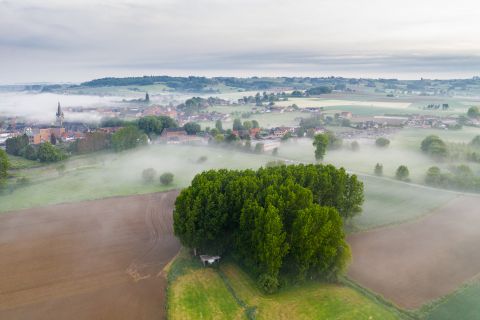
(195, 110)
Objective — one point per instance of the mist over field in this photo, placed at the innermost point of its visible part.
(239, 159)
(42, 106)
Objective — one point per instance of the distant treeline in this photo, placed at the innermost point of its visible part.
(200, 83)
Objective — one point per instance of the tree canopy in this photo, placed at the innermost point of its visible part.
(276, 219)
(48, 153)
(320, 142)
(435, 147)
(128, 138)
(192, 128)
(402, 173)
(382, 142)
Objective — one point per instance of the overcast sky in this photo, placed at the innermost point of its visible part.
(73, 40)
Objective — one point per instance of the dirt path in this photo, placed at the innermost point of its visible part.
(416, 262)
(97, 259)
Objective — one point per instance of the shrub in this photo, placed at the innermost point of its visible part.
(402, 173)
(435, 147)
(148, 175)
(382, 142)
(166, 178)
(268, 283)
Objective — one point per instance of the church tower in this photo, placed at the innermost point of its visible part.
(59, 115)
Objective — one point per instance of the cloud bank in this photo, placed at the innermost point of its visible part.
(79, 40)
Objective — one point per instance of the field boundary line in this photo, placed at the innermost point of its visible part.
(250, 311)
(404, 314)
(429, 307)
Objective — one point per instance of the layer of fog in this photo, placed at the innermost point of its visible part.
(42, 107)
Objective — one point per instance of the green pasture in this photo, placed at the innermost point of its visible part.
(229, 293)
(114, 174)
(462, 304)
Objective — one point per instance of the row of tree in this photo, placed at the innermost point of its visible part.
(280, 220)
(459, 178)
(44, 152)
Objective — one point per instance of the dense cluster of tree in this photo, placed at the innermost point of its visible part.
(127, 138)
(318, 90)
(197, 104)
(45, 152)
(435, 147)
(155, 124)
(16, 145)
(459, 178)
(49, 153)
(280, 220)
(265, 98)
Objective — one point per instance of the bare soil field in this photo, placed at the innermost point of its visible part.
(99, 259)
(413, 263)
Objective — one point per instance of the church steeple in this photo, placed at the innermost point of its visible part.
(59, 115)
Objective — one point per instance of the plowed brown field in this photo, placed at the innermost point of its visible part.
(413, 263)
(97, 259)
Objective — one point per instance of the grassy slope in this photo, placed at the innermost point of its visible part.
(309, 301)
(199, 293)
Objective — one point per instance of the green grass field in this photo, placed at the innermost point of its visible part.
(200, 293)
(115, 174)
(390, 202)
(462, 304)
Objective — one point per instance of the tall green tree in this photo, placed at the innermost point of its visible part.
(320, 142)
(270, 243)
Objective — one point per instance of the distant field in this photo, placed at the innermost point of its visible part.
(318, 102)
(414, 263)
(391, 202)
(114, 174)
(200, 293)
